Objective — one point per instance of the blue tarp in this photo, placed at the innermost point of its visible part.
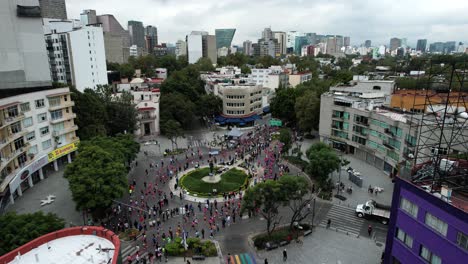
(241, 121)
(266, 109)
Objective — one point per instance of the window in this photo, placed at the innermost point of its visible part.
(428, 256)
(13, 111)
(27, 122)
(436, 224)
(46, 144)
(25, 107)
(39, 103)
(65, 98)
(31, 136)
(377, 88)
(409, 207)
(462, 240)
(42, 117)
(57, 114)
(405, 238)
(44, 130)
(33, 150)
(58, 127)
(19, 143)
(15, 127)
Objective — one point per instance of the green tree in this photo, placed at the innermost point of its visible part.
(245, 69)
(322, 161)
(173, 130)
(177, 107)
(296, 189)
(209, 105)
(282, 105)
(205, 64)
(97, 176)
(267, 197)
(126, 70)
(285, 138)
(18, 229)
(307, 109)
(90, 113)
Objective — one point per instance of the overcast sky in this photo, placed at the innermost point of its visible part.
(377, 20)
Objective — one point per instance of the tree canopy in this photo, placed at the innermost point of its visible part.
(18, 229)
(322, 161)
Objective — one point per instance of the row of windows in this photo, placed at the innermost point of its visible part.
(235, 96)
(255, 107)
(340, 134)
(229, 112)
(341, 114)
(433, 222)
(255, 93)
(235, 104)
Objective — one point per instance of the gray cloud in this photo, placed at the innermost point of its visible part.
(361, 19)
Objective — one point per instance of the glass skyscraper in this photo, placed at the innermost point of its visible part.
(224, 37)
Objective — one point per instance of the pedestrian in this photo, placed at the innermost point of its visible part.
(266, 261)
(285, 255)
(328, 223)
(369, 230)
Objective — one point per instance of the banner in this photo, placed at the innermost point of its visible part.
(62, 151)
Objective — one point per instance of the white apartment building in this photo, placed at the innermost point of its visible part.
(241, 99)
(37, 134)
(260, 76)
(298, 78)
(76, 54)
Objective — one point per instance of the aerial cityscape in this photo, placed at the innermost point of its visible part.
(233, 132)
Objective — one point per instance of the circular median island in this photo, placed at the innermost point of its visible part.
(200, 183)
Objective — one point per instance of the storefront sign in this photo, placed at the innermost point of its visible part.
(24, 173)
(62, 151)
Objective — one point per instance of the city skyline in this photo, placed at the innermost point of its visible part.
(383, 21)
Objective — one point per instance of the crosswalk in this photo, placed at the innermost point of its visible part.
(244, 258)
(343, 219)
(131, 250)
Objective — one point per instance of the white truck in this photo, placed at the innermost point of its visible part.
(373, 210)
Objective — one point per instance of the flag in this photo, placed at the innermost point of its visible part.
(184, 240)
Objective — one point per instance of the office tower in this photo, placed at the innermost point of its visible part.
(181, 48)
(194, 45)
(151, 38)
(281, 38)
(347, 41)
(116, 38)
(395, 43)
(248, 49)
(421, 45)
(339, 42)
(300, 42)
(209, 48)
(224, 37)
(449, 47)
(331, 46)
(368, 43)
(53, 9)
(137, 33)
(267, 34)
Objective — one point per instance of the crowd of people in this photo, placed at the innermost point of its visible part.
(160, 213)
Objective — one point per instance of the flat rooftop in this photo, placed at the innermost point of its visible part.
(77, 249)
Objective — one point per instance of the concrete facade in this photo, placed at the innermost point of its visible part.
(298, 78)
(137, 33)
(195, 46)
(209, 48)
(147, 104)
(22, 49)
(241, 99)
(53, 9)
(37, 134)
(181, 48)
(116, 39)
(281, 37)
(411, 239)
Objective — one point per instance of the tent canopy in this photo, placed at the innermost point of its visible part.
(235, 132)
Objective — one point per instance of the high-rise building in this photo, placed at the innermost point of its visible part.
(24, 66)
(151, 38)
(53, 9)
(267, 47)
(449, 47)
(137, 33)
(76, 55)
(267, 34)
(209, 48)
(194, 45)
(436, 47)
(224, 37)
(248, 49)
(300, 42)
(368, 43)
(421, 45)
(116, 38)
(281, 38)
(339, 42)
(181, 48)
(394, 44)
(347, 41)
(291, 38)
(331, 46)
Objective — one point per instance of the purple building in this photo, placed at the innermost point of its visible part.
(427, 227)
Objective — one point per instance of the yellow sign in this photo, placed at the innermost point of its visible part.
(62, 151)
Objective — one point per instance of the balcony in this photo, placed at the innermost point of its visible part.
(389, 132)
(10, 138)
(9, 120)
(386, 144)
(409, 143)
(361, 123)
(63, 118)
(62, 105)
(147, 117)
(4, 161)
(64, 131)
